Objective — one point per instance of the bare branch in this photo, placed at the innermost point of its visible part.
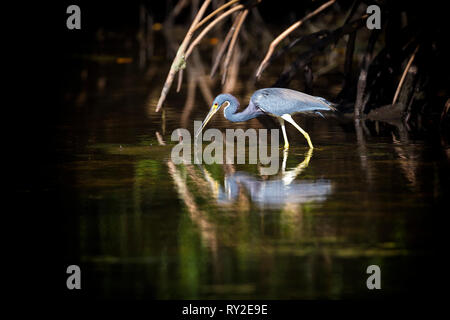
(316, 35)
(209, 27)
(190, 98)
(223, 47)
(180, 80)
(352, 10)
(350, 48)
(232, 71)
(160, 139)
(402, 79)
(362, 80)
(180, 6)
(203, 81)
(179, 61)
(200, 37)
(327, 39)
(241, 19)
(226, 5)
(285, 33)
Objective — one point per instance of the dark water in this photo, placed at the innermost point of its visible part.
(142, 227)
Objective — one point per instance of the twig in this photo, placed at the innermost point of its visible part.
(194, 7)
(361, 101)
(180, 80)
(223, 7)
(160, 139)
(316, 35)
(348, 63)
(202, 34)
(402, 79)
(223, 47)
(180, 6)
(350, 49)
(190, 98)
(320, 45)
(241, 19)
(179, 62)
(285, 33)
(175, 12)
(261, 26)
(233, 71)
(203, 81)
(209, 27)
(352, 10)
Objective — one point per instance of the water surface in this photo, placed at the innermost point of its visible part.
(142, 227)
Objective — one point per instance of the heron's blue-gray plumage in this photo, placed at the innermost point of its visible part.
(277, 102)
(280, 101)
(273, 193)
(230, 111)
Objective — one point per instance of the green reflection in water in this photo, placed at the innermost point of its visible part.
(145, 228)
(151, 228)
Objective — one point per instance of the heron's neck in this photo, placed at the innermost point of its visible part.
(231, 115)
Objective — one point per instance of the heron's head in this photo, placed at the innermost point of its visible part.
(222, 100)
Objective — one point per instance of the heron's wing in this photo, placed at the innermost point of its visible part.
(279, 101)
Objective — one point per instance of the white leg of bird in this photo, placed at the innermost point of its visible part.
(289, 176)
(283, 164)
(283, 128)
(289, 119)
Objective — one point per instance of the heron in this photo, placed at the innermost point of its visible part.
(280, 103)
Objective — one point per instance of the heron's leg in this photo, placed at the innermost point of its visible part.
(289, 176)
(283, 128)
(285, 156)
(289, 119)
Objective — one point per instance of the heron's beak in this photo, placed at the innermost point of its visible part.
(213, 110)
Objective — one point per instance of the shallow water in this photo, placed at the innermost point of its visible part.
(142, 227)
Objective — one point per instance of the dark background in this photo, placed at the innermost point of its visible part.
(39, 42)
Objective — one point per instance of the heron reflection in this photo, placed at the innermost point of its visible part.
(204, 196)
(275, 192)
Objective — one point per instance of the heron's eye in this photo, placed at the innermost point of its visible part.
(215, 105)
